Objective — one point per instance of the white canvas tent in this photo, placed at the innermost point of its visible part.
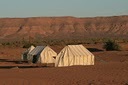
(24, 55)
(42, 54)
(74, 55)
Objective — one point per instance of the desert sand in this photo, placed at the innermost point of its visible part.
(111, 68)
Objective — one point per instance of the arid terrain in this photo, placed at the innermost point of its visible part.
(111, 68)
(55, 27)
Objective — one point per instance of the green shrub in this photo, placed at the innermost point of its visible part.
(111, 45)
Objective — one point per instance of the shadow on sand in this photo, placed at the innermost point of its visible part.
(22, 64)
(16, 67)
(13, 61)
(94, 50)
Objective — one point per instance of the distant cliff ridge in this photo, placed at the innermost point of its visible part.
(63, 27)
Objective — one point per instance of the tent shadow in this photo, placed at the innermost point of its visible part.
(23, 67)
(13, 61)
(94, 50)
(3, 60)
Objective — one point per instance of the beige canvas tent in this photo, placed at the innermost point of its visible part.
(74, 55)
(24, 55)
(42, 54)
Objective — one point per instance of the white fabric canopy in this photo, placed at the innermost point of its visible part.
(42, 54)
(74, 55)
(24, 55)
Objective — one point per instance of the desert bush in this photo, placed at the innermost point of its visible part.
(111, 45)
(6, 43)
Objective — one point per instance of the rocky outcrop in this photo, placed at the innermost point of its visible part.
(63, 27)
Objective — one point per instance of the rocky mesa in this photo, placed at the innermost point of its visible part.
(63, 27)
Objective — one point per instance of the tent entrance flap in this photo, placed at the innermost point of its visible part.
(25, 56)
(35, 59)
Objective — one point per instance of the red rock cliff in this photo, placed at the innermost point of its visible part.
(64, 27)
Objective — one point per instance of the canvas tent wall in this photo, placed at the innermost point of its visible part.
(42, 54)
(24, 55)
(74, 55)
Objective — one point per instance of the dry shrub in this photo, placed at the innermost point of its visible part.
(111, 45)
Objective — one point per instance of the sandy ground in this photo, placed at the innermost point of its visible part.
(111, 68)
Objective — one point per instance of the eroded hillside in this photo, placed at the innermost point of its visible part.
(63, 27)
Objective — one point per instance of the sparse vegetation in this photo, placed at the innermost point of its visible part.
(27, 45)
(111, 45)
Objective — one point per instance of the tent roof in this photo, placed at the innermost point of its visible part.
(37, 50)
(78, 50)
(29, 49)
(31, 46)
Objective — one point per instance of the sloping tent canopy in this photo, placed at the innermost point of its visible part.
(42, 54)
(24, 55)
(74, 55)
